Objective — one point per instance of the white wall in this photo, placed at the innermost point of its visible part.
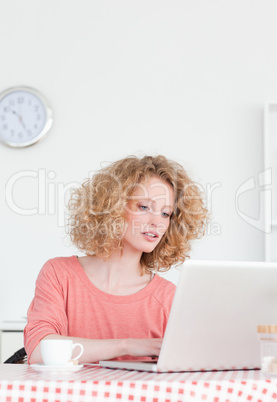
(187, 79)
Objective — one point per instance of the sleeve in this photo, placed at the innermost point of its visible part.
(169, 296)
(47, 311)
(164, 295)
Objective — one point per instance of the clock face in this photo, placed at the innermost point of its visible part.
(25, 117)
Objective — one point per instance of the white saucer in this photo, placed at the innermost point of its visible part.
(56, 369)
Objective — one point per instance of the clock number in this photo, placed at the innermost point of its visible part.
(20, 100)
(36, 108)
(38, 117)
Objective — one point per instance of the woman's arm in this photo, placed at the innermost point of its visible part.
(105, 349)
(47, 319)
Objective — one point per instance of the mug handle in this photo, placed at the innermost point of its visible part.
(81, 352)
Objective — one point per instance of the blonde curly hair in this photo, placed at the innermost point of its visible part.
(97, 211)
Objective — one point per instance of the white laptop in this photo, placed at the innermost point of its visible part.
(214, 317)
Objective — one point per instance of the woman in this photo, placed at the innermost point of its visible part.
(133, 219)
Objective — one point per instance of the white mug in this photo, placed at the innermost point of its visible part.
(57, 352)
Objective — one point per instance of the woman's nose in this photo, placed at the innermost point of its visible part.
(154, 219)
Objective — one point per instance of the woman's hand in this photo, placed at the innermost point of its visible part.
(143, 347)
(106, 349)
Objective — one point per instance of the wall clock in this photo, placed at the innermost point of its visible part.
(25, 117)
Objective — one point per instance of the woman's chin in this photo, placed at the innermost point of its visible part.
(148, 249)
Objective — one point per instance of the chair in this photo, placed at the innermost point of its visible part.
(19, 357)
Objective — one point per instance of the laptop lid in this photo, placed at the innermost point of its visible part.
(214, 317)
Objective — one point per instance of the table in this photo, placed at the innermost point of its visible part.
(20, 383)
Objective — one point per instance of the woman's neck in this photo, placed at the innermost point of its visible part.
(120, 275)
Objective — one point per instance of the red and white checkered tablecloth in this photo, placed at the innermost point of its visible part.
(20, 383)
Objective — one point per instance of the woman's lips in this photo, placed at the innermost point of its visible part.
(150, 236)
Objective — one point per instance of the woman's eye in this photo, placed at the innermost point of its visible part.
(143, 207)
(166, 214)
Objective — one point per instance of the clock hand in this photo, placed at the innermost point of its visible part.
(19, 118)
(14, 112)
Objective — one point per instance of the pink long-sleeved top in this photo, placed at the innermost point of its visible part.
(67, 303)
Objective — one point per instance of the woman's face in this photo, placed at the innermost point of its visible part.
(148, 214)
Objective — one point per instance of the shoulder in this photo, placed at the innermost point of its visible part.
(58, 267)
(164, 292)
(165, 284)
